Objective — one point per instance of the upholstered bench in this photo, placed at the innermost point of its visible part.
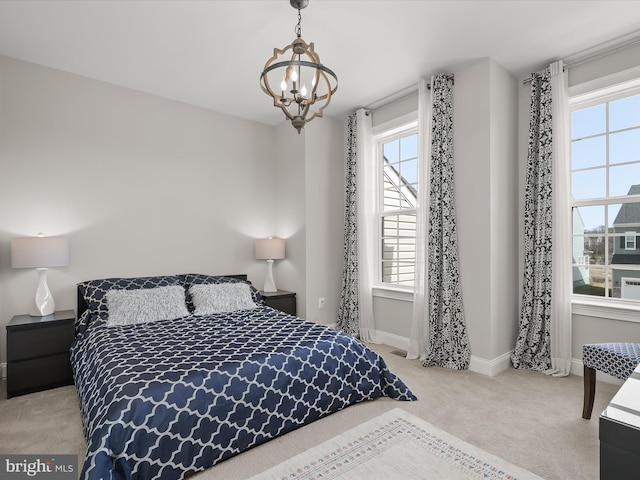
(616, 359)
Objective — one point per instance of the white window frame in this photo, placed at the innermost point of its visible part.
(595, 306)
(389, 131)
(630, 240)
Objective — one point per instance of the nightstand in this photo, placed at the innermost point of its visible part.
(38, 352)
(281, 300)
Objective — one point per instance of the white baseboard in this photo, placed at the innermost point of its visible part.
(393, 340)
(387, 338)
(477, 364)
(490, 367)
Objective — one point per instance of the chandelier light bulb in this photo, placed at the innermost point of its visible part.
(303, 90)
(294, 76)
(283, 85)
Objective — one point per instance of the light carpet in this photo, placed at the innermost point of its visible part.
(393, 445)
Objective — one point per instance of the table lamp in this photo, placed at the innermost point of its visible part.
(40, 253)
(269, 249)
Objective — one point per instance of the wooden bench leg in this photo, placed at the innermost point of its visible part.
(589, 391)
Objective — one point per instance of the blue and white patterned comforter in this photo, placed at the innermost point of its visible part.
(164, 398)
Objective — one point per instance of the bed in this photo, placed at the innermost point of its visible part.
(177, 373)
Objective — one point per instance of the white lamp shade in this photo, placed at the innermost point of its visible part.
(39, 252)
(271, 248)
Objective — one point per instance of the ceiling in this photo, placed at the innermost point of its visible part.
(211, 53)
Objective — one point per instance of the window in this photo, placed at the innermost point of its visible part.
(630, 240)
(605, 188)
(397, 165)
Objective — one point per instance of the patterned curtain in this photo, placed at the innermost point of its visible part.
(355, 314)
(532, 348)
(448, 345)
(349, 310)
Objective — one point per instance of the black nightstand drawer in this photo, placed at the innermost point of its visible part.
(286, 305)
(38, 356)
(37, 374)
(281, 300)
(37, 342)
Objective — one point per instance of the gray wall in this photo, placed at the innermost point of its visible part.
(142, 185)
(486, 198)
(324, 195)
(289, 207)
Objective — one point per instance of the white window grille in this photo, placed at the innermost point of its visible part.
(630, 240)
(397, 160)
(605, 191)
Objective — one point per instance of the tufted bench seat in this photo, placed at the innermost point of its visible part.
(616, 359)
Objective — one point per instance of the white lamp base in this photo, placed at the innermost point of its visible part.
(44, 300)
(269, 284)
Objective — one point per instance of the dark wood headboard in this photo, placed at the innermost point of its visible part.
(81, 305)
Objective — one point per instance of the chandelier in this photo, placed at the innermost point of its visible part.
(303, 86)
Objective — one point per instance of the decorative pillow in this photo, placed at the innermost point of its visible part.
(221, 298)
(94, 291)
(190, 279)
(128, 307)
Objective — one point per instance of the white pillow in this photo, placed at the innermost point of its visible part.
(128, 307)
(221, 297)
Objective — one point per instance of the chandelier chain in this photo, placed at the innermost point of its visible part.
(298, 26)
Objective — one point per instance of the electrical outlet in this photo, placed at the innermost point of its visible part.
(321, 303)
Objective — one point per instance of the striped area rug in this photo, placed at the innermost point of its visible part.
(395, 445)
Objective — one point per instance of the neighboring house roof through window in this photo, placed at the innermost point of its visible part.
(629, 213)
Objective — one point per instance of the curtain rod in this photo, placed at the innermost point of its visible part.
(528, 79)
(394, 97)
(449, 77)
(397, 96)
(596, 56)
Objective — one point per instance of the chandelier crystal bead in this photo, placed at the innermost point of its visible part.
(303, 86)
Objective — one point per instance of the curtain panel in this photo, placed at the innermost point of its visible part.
(355, 313)
(562, 254)
(448, 345)
(532, 350)
(419, 314)
(349, 309)
(544, 336)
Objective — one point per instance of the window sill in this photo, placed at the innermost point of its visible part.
(394, 293)
(622, 311)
